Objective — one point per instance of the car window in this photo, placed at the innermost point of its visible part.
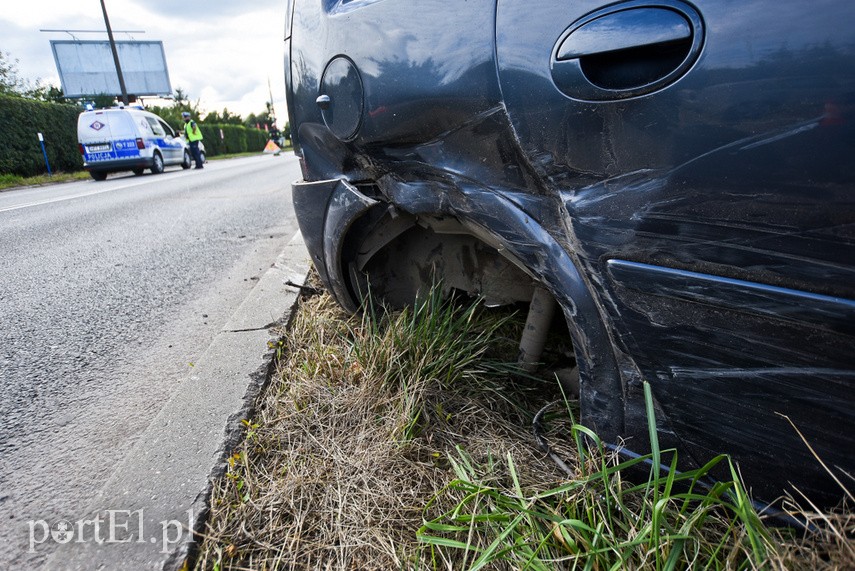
(155, 126)
(166, 128)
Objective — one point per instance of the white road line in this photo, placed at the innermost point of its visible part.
(63, 198)
(85, 194)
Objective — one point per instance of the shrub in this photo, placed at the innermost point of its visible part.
(20, 121)
(235, 139)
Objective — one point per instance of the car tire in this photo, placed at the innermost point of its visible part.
(98, 175)
(138, 172)
(185, 164)
(157, 164)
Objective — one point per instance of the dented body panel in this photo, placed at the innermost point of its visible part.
(687, 199)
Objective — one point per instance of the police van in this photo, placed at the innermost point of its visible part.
(128, 139)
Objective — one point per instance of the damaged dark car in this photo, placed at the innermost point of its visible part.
(677, 179)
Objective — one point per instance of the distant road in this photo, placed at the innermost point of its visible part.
(108, 292)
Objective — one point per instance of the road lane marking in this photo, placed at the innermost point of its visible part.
(64, 198)
(94, 192)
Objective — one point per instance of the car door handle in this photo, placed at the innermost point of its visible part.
(627, 50)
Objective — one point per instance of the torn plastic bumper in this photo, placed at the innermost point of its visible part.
(326, 210)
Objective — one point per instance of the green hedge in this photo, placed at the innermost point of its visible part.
(235, 139)
(20, 121)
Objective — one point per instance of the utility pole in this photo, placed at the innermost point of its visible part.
(272, 110)
(115, 55)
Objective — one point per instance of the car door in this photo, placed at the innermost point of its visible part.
(702, 153)
(171, 138)
(160, 139)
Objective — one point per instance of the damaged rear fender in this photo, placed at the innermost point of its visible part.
(327, 209)
(504, 227)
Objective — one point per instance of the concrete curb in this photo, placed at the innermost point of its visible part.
(158, 495)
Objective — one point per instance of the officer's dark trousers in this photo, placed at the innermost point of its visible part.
(197, 156)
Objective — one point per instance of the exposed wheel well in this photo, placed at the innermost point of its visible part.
(403, 256)
(395, 255)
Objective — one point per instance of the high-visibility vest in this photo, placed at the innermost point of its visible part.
(192, 131)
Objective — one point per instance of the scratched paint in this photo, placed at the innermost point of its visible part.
(700, 236)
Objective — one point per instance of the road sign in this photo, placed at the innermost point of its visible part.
(272, 147)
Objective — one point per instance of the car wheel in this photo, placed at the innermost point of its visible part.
(185, 164)
(157, 164)
(98, 175)
(138, 172)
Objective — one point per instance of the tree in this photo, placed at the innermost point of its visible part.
(50, 93)
(102, 100)
(181, 98)
(266, 121)
(224, 118)
(10, 82)
(172, 113)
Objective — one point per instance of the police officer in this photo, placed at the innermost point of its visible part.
(194, 135)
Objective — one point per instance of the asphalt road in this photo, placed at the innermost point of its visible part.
(109, 291)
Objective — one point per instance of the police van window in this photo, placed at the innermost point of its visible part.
(165, 126)
(155, 126)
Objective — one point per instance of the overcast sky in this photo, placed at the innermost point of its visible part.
(222, 51)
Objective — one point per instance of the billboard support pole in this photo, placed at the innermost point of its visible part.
(115, 54)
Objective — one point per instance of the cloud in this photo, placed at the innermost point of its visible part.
(35, 59)
(223, 51)
(195, 11)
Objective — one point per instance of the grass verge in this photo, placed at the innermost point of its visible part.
(12, 181)
(402, 441)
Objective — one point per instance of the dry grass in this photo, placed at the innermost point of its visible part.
(330, 475)
(380, 446)
(830, 548)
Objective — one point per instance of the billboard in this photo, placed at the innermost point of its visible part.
(87, 67)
